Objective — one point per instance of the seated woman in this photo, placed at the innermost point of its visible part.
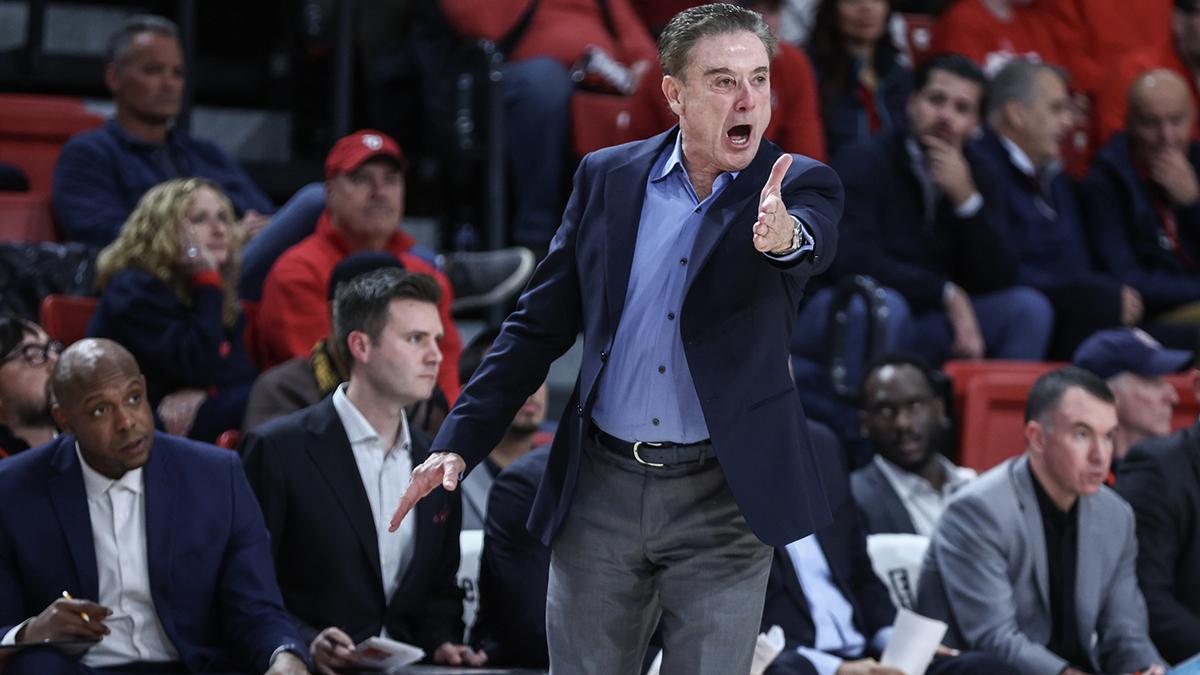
(862, 78)
(169, 296)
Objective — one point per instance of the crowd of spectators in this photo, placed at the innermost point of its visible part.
(1025, 188)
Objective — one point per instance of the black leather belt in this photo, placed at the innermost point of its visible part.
(657, 455)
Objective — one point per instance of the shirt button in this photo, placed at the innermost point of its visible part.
(654, 421)
(662, 369)
(670, 316)
(683, 261)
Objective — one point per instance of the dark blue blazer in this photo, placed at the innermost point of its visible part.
(1127, 232)
(323, 536)
(736, 322)
(888, 235)
(209, 554)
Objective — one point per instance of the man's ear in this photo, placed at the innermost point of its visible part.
(60, 419)
(1035, 436)
(110, 78)
(671, 89)
(359, 345)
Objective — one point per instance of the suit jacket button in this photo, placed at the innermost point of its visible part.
(603, 357)
(579, 410)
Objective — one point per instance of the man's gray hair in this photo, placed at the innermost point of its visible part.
(689, 26)
(118, 43)
(1016, 81)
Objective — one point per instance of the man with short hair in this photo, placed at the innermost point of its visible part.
(1034, 562)
(364, 206)
(1142, 200)
(101, 174)
(327, 477)
(682, 259)
(150, 544)
(1135, 366)
(924, 217)
(906, 486)
(27, 356)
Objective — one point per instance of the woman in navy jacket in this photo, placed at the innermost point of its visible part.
(169, 296)
(863, 81)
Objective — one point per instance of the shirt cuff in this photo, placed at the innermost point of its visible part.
(207, 278)
(806, 243)
(289, 647)
(880, 641)
(10, 638)
(970, 207)
(824, 664)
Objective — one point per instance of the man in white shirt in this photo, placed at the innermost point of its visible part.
(148, 543)
(328, 475)
(908, 483)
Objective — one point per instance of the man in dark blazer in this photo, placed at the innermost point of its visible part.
(682, 259)
(326, 477)
(826, 580)
(924, 217)
(149, 543)
(1160, 478)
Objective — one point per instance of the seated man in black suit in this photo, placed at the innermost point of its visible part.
(836, 615)
(1160, 478)
(326, 477)
(906, 485)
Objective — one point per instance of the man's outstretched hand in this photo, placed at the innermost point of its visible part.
(440, 468)
(773, 229)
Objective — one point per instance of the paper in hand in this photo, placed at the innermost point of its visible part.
(384, 654)
(913, 643)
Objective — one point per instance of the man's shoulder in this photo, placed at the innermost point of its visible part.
(192, 454)
(869, 153)
(291, 427)
(865, 481)
(22, 471)
(527, 470)
(990, 493)
(100, 139)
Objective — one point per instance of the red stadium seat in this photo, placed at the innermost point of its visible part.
(33, 130)
(66, 317)
(26, 216)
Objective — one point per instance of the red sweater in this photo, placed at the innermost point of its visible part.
(294, 312)
(967, 27)
(795, 111)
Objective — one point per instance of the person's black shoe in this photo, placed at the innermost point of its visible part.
(483, 279)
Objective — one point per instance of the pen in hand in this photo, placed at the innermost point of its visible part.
(83, 615)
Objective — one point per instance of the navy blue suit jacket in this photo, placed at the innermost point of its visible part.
(323, 536)
(209, 555)
(736, 322)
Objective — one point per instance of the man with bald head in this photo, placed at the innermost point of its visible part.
(1143, 200)
(149, 545)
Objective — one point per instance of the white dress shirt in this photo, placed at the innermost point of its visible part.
(923, 503)
(836, 639)
(385, 474)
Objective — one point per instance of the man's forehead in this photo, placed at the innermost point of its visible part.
(728, 50)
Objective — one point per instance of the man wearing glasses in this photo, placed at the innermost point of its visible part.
(28, 356)
(906, 487)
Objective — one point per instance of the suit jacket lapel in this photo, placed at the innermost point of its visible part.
(423, 534)
(1035, 533)
(70, 506)
(329, 449)
(160, 479)
(730, 204)
(624, 194)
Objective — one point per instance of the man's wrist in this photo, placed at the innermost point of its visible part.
(289, 649)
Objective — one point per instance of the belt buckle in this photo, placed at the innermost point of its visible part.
(637, 446)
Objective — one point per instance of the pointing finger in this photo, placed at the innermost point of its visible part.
(778, 171)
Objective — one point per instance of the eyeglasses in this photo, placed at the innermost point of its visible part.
(34, 354)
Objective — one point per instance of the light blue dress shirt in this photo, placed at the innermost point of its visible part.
(647, 392)
(833, 616)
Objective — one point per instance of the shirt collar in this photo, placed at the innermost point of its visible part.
(675, 161)
(1018, 157)
(909, 482)
(358, 429)
(97, 484)
(129, 139)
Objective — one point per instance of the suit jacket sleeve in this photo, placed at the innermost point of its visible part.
(972, 555)
(1125, 645)
(1145, 482)
(267, 482)
(248, 594)
(543, 327)
(986, 261)
(813, 194)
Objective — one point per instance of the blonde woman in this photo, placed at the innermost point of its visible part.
(168, 284)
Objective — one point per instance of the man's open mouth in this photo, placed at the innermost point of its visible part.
(739, 135)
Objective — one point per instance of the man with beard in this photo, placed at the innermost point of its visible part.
(924, 217)
(516, 443)
(906, 487)
(28, 357)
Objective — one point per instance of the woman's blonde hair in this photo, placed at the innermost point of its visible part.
(150, 241)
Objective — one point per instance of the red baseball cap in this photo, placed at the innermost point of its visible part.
(351, 151)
